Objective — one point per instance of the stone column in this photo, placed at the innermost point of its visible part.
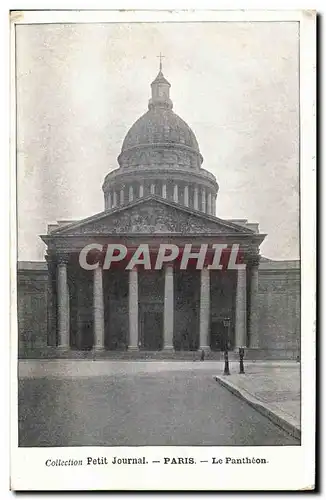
(109, 200)
(168, 308)
(196, 198)
(68, 310)
(203, 200)
(141, 191)
(98, 308)
(51, 302)
(133, 310)
(80, 305)
(186, 196)
(254, 308)
(122, 197)
(204, 327)
(152, 188)
(213, 205)
(164, 191)
(114, 199)
(63, 303)
(131, 193)
(241, 310)
(209, 203)
(175, 193)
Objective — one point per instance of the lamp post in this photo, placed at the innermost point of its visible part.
(241, 355)
(226, 323)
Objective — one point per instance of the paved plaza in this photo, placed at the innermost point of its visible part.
(272, 390)
(119, 403)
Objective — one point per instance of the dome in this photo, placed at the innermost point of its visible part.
(160, 126)
(160, 157)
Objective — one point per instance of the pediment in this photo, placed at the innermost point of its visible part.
(151, 216)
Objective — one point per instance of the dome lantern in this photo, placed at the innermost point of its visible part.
(160, 91)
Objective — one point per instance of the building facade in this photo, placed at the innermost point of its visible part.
(159, 194)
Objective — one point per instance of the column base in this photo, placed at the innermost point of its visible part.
(205, 348)
(98, 348)
(63, 347)
(169, 348)
(133, 348)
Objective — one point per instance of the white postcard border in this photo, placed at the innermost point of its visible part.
(289, 467)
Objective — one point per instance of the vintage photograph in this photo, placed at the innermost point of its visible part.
(162, 230)
(158, 218)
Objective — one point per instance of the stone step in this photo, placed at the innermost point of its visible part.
(250, 354)
(52, 353)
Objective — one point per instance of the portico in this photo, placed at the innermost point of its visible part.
(139, 309)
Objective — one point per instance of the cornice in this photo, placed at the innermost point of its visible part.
(191, 176)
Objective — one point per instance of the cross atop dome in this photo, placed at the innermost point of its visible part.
(160, 57)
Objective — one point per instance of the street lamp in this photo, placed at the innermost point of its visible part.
(226, 323)
(241, 355)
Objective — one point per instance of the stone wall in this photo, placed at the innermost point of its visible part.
(279, 308)
(32, 282)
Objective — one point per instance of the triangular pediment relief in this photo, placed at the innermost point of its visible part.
(149, 216)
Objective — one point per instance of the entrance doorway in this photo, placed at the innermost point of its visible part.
(151, 329)
(219, 335)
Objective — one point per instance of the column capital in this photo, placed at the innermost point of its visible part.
(252, 259)
(62, 258)
(51, 261)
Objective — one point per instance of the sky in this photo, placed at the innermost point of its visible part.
(80, 87)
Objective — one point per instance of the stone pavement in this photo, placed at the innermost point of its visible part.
(273, 390)
(35, 368)
(121, 403)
